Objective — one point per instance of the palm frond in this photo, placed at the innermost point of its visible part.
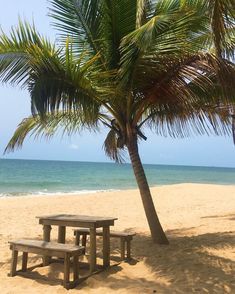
(118, 19)
(78, 19)
(111, 148)
(165, 34)
(35, 126)
(95, 26)
(15, 52)
(187, 81)
(60, 80)
(233, 126)
(183, 123)
(177, 74)
(222, 15)
(161, 62)
(143, 12)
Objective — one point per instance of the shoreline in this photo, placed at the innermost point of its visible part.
(91, 192)
(197, 218)
(59, 194)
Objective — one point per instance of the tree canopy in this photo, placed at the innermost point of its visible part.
(127, 65)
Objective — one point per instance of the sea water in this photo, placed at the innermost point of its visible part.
(25, 177)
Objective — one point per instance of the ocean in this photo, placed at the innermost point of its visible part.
(26, 177)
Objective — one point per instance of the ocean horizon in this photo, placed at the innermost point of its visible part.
(50, 177)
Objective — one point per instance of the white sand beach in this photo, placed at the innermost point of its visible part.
(199, 221)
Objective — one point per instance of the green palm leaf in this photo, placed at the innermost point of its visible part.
(69, 123)
(126, 64)
(222, 14)
(15, 52)
(165, 34)
(80, 21)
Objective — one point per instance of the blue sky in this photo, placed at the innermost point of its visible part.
(15, 105)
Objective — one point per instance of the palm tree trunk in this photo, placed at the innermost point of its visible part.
(157, 232)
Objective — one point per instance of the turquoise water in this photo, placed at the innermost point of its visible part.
(20, 177)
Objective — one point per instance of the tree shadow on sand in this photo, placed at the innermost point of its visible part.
(187, 265)
(192, 264)
(230, 216)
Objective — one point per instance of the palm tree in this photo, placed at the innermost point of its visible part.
(127, 65)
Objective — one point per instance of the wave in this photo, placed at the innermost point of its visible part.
(51, 193)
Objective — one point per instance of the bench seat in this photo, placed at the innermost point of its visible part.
(43, 248)
(125, 239)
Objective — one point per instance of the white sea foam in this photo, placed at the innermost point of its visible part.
(53, 178)
(57, 193)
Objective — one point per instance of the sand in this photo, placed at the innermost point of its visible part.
(198, 219)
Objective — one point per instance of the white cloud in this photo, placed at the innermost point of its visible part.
(73, 146)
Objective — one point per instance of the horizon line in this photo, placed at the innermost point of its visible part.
(128, 163)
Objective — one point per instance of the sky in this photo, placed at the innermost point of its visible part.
(15, 105)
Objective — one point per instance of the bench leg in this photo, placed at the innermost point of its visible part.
(24, 261)
(75, 268)
(128, 249)
(66, 271)
(77, 239)
(122, 241)
(84, 236)
(13, 262)
(46, 237)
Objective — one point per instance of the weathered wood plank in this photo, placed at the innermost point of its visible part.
(46, 246)
(125, 239)
(66, 251)
(112, 233)
(13, 262)
(24, 261)
(122, 249)
(41, 251)
(75, 268)
(66, 270)
(74, 217)
(77, 239)
(106, 247)
(89, 222)
(84, 241)
(46, 237)
(76, 220)
(61, 234)
(92, 250)
(67, 223)
(128, 249)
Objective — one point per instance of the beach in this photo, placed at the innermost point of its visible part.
(199, 220)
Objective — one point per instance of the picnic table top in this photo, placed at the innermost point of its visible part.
(76, 220)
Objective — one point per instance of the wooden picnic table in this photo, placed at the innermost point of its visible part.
(84, 221)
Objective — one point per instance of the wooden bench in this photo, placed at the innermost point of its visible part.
(65, 251)
(125, 240)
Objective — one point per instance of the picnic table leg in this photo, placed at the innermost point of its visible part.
(66, 270)
(75, 268)
(92, 249)
(24, 261)
(13, 262)
(106, 246)
(61, 234)
(46, 237)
